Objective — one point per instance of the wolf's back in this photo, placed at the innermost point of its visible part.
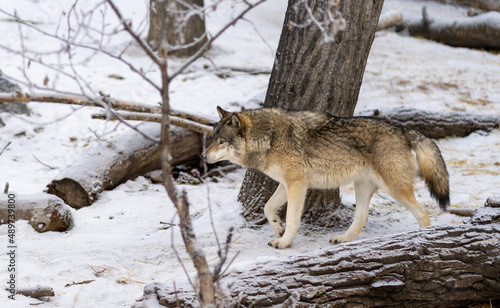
(431, 166)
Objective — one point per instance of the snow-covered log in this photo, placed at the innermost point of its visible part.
(493, 201)
(389, 19)
(438, 124)
(445, 266)
(487, 5)
(43, 212)
(480, 31)
(117, 160)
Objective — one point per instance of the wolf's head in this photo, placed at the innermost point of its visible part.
(228, 139)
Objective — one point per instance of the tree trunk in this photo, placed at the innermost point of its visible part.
(8, 87)
(439, 266)
(184, 23)
(438, 124)
(311, 74)
(43, 212)
(118, 160)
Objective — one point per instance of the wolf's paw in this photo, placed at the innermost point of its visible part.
(339, 239)
(279, 243)
(280, 231)
(278, 228)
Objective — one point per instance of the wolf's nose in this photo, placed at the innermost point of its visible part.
(203, 157)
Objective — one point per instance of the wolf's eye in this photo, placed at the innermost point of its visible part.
(222, 141)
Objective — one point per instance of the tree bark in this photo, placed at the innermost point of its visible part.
(438, 124)
(43, 212)
(115, 161)
(440, 266)
(311, 74)
(481, 31)
(184, 23)
(8, 87)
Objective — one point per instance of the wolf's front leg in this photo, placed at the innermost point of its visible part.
(296, 193)
(272, 207)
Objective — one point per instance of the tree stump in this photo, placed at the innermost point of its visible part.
(439, 266)
(118, 160)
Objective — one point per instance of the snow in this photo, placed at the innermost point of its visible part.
(118, 245)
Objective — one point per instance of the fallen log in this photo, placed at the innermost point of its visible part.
(487, 5)
(115, 161)
(437, 124)
(439, 266)
(480, 31)
(389, 19)
(493, 202)
(43, 212)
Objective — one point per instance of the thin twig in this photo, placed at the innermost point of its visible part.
(179, 258)
(229, 264)
(210, 41)
(5, 147)
(223, 255)
(127, 25)
(95, 50)
(80, 282)
(50, 167)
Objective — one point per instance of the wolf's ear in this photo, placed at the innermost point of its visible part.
(240, 122)
(235, 121)
(222, 112)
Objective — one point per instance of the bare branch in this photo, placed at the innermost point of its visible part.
(66, 42)
(134, 116)
(210, 41)
(127, 25)
(103, 102)
(180, 260)
(223, 255)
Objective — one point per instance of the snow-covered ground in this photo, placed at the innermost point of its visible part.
(117, 245)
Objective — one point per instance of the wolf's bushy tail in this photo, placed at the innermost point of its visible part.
(431, 166)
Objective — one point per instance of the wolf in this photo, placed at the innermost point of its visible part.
(303, 149)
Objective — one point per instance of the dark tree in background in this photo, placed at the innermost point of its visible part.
(184, 22)
(315, 70)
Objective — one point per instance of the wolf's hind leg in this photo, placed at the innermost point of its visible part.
(364, 191)
(296, 193)
(271, 210)
(406, 197)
